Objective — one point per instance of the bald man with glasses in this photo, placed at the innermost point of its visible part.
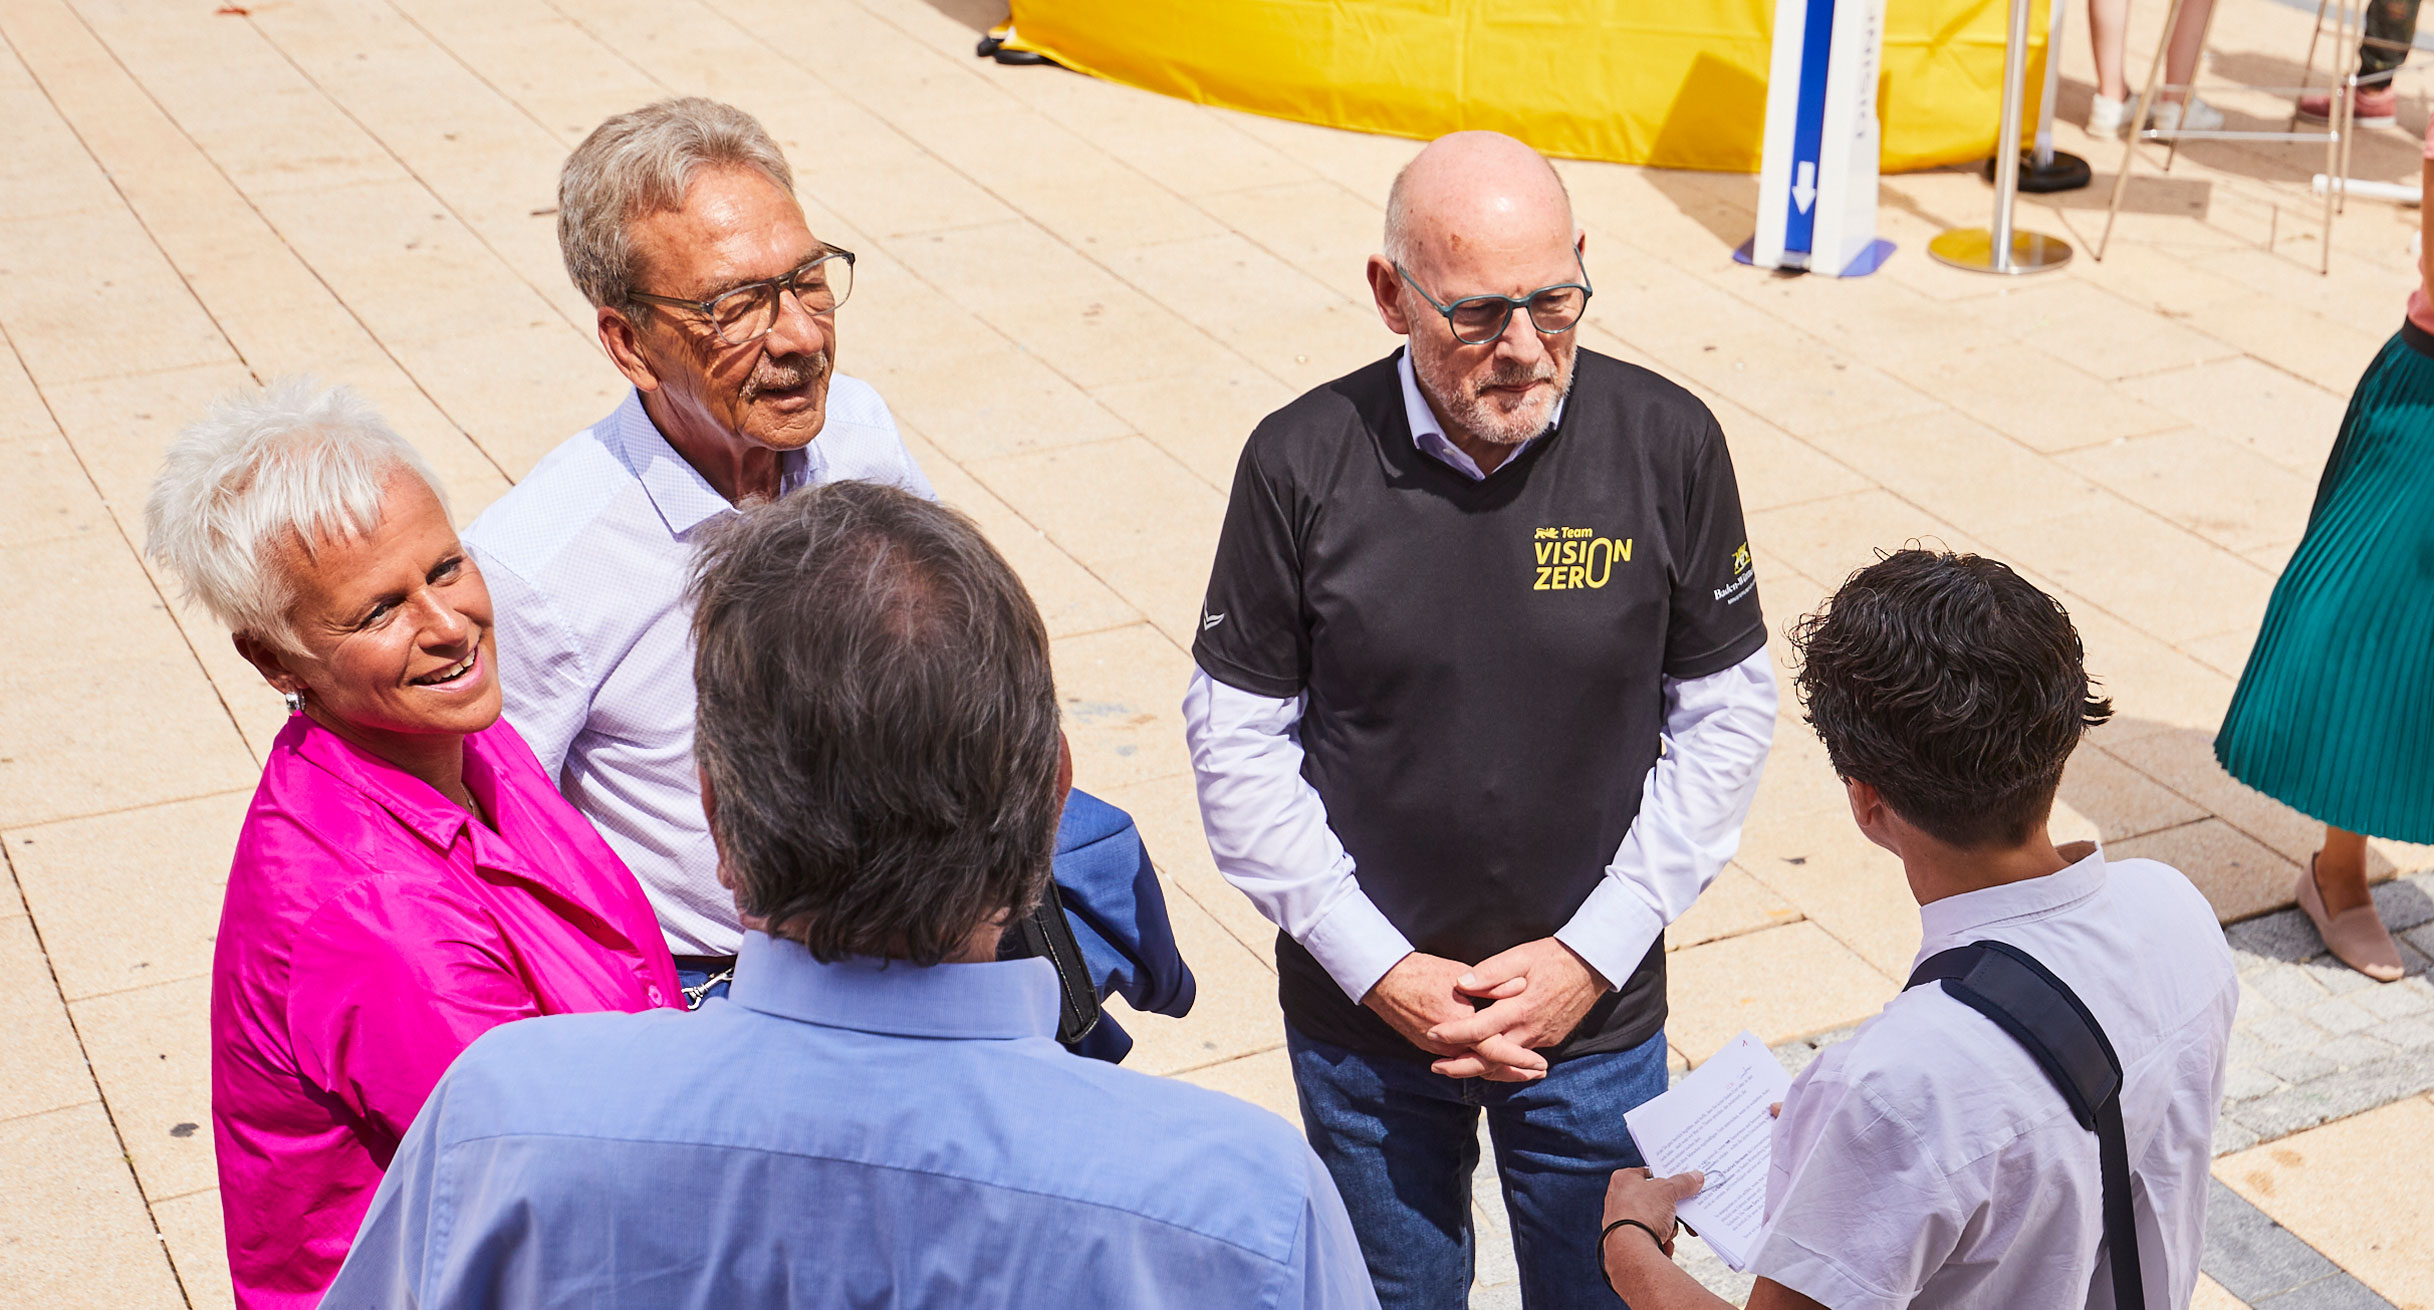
(713, 298)
(1461, 598)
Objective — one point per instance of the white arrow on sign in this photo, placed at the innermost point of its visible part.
(1804, 191)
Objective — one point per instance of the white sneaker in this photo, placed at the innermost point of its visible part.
(2195, 116)
(2105, 116)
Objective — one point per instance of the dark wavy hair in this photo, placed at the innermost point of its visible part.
(877, 721)
(1952, 686)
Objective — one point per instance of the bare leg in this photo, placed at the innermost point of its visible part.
(2341, 871)
(2108, 33)
(2425, 228)
(2188, 41)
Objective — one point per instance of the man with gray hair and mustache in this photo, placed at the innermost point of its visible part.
(678, 222)
(1461, 598)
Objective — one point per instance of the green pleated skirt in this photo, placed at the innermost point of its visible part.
(2334, 715)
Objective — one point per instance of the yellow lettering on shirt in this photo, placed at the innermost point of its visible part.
(1576, 559)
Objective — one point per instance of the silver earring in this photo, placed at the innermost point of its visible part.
(295, 701)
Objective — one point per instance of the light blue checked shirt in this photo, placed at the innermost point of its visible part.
(850, 1134)
(586, 560)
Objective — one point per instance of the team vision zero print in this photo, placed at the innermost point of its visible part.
(1571, 559)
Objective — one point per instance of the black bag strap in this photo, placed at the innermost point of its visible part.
(2048, 1020)
(1047, 935)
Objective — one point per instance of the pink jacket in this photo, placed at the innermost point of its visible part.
(371, 931)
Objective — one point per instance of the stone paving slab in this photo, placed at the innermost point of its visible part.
(2264, 1264)
(2356, 1191)
(2317, 1041)
(78, 1231)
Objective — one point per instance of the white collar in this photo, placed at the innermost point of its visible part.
(1959, 920)
(1429, 435)
(684, 498)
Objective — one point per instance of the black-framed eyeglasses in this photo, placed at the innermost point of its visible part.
(1478, 320)
(749, 312)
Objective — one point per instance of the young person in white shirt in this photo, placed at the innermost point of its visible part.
(1928, 1161)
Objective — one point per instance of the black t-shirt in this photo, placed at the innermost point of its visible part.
(1484, 661)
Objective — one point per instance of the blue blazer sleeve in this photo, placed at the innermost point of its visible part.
(1118, 912)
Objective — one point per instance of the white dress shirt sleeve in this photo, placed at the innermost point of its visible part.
(1836, 1138)
(1268, 832)
(911, 478)
(1717, 731)
(546, 686)
(908, 470)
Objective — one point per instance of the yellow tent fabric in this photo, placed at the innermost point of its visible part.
(1674, 83)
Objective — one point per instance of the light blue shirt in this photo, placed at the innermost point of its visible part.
(850, 1134)
(587, 560)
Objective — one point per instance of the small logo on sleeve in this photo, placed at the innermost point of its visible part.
(1745, 577)
(1208, 620)
(1576, 559)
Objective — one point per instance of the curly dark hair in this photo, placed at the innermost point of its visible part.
(877, 719)
(1952, 686)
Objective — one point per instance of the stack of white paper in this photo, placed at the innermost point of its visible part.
(1716, 1121)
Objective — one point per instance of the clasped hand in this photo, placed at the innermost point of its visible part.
(1537, 993)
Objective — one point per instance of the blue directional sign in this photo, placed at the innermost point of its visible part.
(1817, 178)
(1808, 129)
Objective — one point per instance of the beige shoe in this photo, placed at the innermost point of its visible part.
(2356, 936)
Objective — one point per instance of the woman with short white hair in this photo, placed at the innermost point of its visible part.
(407, 877)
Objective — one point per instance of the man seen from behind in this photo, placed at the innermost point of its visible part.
(877, 1113)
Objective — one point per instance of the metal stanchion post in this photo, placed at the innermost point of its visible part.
(1999, 249)
(2046, 170)
(2057, 21)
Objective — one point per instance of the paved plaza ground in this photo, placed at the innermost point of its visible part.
(1078, 298)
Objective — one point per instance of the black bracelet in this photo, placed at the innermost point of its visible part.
(1608, 1231)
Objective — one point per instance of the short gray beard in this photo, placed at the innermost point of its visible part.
(1462, 404)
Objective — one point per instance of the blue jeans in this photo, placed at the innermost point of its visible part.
(1401, 1143)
